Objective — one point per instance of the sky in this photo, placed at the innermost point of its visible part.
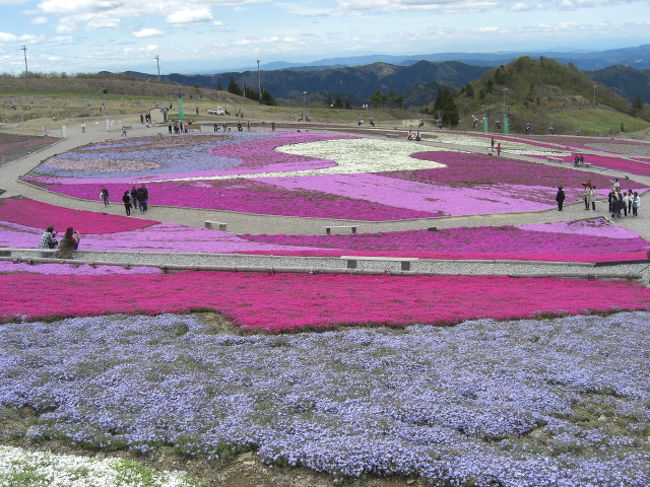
(210, 36)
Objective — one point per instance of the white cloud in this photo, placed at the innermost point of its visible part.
(6, 37)
(190, 16)
(62, 7)
(149, 48)
(147, 32)
(29, 38)
(102, 23)
(217, 22)
(39, 20)
(62, 39)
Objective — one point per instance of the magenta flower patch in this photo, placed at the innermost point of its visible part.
(563, 241)
(258, 301)
(41, 215)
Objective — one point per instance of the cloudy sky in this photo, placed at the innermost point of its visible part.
(216, 35)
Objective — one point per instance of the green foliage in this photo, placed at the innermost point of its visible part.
(547, 93)
(469, 90)
(445, 107)
(233, 87)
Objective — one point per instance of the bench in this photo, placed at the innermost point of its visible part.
(328, 229)
(553, 159)
(216, 225)
(193, 126)
(394, 136)
(405, 262)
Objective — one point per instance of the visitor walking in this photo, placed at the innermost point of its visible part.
(499, 149)
(143, 196)
(134, 197)
(636, 204)
(592, 198)
(559, 197)
(104, 196)
(586, 196)
(126, 198)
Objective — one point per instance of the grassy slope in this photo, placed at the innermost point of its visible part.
(548, 94)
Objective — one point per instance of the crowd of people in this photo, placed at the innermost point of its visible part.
(137, 198)
(623, 203)
(620, 203)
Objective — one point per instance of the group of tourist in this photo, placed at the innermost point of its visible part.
(622, 203)
(68, 244)
(137, 198)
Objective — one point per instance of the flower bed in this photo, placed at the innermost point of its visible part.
(259, 301)
(527, 403)
(19, 467)
(582, 241)
(187, 156)
(250, 196)
(617, 163)
(33, 213)
(13, 146)
(510, 144)
(315, 175)
(7, 267)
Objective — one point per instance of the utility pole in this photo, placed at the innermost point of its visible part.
(157, 58)
(259, 81)
(24, 49)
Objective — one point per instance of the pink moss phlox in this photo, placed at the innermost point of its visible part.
(251, 196)
(543, 242)
(33, 213)
(476, 169)
(616, 163)
(73, 269)
(259, 301)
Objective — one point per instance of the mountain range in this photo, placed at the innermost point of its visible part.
(408, 85)
(637, 57)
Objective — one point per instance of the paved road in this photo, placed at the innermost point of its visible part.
(240, 223)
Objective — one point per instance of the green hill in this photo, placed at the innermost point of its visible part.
(545, 93)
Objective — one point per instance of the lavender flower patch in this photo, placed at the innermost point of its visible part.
(527, 403)
(190, 158)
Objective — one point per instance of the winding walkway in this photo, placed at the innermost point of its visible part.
(240, 223)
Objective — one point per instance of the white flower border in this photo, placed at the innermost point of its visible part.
(353, 156)
(55, 470)
(506, 145)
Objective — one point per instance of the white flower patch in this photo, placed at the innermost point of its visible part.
(37, 468)
(353, 156)
(506, 145)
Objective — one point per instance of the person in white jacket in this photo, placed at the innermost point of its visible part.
(636, 204)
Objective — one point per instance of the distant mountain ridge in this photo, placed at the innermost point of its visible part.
(637, 57)
(417, 83)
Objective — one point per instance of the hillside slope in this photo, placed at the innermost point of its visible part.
(545, 93)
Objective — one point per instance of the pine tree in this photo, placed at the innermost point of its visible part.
(233, 87)
(446, 108)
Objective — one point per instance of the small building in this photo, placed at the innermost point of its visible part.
(159, 114)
